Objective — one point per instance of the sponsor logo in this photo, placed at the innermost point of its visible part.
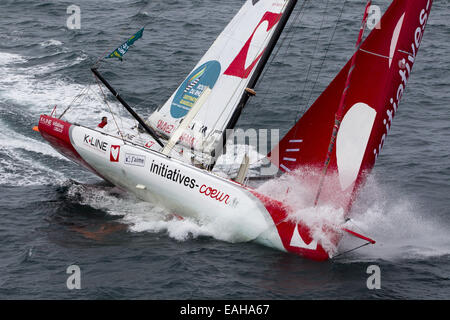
(243, 64)
(134, 160)
(404, 63)
(46, 121)
(164, 127)
(95, 143)
(164, 171)
(176, 176)
(214, 194)
(114, 153)
(187, 139)
(58, 127)
(298, 241)
(149, 144)
(191, 89)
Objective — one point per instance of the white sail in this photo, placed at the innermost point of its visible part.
(186, 121)
(226, 69)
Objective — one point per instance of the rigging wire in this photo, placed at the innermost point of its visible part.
(358, 247)
(101, 57)
(83, 92)
(87, 88)
(303, 108)
(326, 53)
(112, 114)
(205, 115)
(297, 18)
(351, 250)
(243, 80)
(312, 60)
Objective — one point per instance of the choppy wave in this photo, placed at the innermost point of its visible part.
(401, 229)
(8, 58)
(50, 43)
(142, 216)
(22, 157)
(37, 90)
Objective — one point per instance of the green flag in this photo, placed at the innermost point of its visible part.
(120, 51)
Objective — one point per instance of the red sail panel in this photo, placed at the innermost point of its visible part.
(382, 68)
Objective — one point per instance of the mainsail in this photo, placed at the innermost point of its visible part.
(231, 64)
(381, 71)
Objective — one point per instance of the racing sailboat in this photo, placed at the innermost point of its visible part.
(333, 146)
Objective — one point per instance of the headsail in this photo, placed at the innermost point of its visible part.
(382, 68)
(226, 68)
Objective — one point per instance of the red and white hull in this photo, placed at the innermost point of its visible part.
(181, 188)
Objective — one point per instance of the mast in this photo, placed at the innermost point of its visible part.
(149, 130)
(258, 70)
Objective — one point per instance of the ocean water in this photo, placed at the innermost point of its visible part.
(53, 214)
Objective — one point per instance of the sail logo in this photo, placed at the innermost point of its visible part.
(95, 143)
(194, 80)
(246, 59)
(114, 153)
(149, 144)
(404, 71)
(352, 140)
(192, 88)
(298, 242)
(187, 139)
(164, 126)
(395, 38)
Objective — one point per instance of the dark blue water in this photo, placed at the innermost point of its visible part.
(54, 215)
